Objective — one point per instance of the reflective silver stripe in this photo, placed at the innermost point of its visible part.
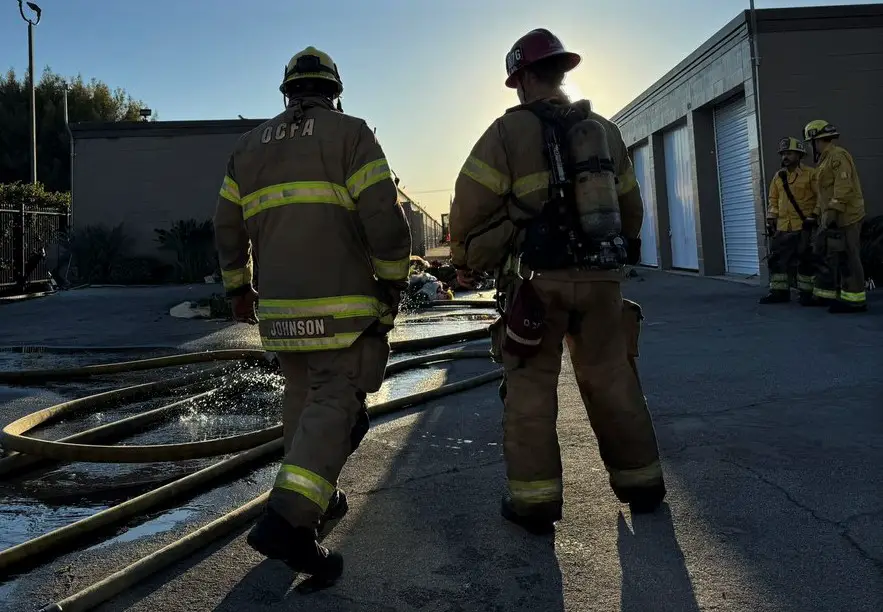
(369, 174)
(305, 192)
(338, 341)
(337, 307)
(230, 190)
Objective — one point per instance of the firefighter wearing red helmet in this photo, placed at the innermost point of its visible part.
(548, 200)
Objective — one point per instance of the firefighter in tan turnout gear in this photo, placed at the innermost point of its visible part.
(309, 196)
(840, 210)
(548, 199)
(790, 223)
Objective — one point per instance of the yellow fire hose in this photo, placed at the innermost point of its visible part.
(261, 444)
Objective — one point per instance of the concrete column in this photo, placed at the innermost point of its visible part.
(709, 225)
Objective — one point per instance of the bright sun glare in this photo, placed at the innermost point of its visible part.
(572, 90)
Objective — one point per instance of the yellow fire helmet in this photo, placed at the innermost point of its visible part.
(312, 64)
(819, 129)
(791, 144)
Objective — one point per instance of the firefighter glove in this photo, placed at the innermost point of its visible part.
(810, 223)
(392, 292)
(829, 219)
(465, 278)
(771, 226)
(633, 251)
(243, 306)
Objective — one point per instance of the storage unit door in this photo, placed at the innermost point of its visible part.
(641, 161)
(736, 192)
(681, 205)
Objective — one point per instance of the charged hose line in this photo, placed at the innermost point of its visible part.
(26, 552)
(23, 377)
(464, 303)
(13, 439)
(132, 574)
(16, 462)
(119, 581)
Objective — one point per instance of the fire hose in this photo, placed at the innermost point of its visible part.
(261, 444)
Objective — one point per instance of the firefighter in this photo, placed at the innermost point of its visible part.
(790, 225)
(558, 280)
(309, 198)
(840, 210)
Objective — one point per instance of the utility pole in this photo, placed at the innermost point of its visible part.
(20, 257)
(31, 23)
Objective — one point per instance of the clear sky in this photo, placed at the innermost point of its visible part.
(427, 74)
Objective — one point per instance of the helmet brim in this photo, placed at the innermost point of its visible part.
(569, 60)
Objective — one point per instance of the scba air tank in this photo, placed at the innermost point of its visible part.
(594, 182)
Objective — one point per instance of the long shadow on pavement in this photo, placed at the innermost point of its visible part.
(654, 574)
(424, 530)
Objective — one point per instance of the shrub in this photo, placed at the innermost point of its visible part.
(193, 243)
(97, 253)
(40, 230)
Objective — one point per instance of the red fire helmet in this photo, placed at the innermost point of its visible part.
(534, 46)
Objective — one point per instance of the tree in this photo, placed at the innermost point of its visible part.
(92, 101)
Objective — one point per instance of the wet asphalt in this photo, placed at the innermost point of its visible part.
(770, 423)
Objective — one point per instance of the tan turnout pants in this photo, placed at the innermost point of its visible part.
(601, 331)
(323, 402)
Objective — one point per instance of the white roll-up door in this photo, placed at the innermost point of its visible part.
(736, 192)
(681, 203)
(641, 161)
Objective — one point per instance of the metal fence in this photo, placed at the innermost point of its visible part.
(426, 232)
(25, 241)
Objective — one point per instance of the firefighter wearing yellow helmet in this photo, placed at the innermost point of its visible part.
(790, 226)
(308, 198)
(840, 279)
(548, 199)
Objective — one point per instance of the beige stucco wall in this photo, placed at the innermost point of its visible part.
(148, 182)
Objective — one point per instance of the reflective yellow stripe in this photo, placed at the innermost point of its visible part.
(230, 190)
(391, 270)
(337, 341)
(234, 279)
(825, 294)
(302, 192)
(369, 174)
(530, 183)
(484, 175)
(536, 491)
(856, 298)
(342, 307)
(306, 483)
(636, 477)
(779, 282)
(627, 181)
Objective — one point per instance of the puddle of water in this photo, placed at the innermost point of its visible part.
(163, 522)
(22, 520)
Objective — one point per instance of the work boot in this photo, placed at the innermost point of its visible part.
(276, 538)
(337, 509)
(807, 299)
(775, 296)
(816, 302)
(642, 500)
(541, 522)
(838, 307)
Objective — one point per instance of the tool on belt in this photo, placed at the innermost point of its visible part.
(525, 321)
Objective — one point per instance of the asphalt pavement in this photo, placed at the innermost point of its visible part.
(770, 424)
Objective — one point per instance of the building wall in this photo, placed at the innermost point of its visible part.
(714, 73)
(836, 75)
(148, 182)
(815, 62)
